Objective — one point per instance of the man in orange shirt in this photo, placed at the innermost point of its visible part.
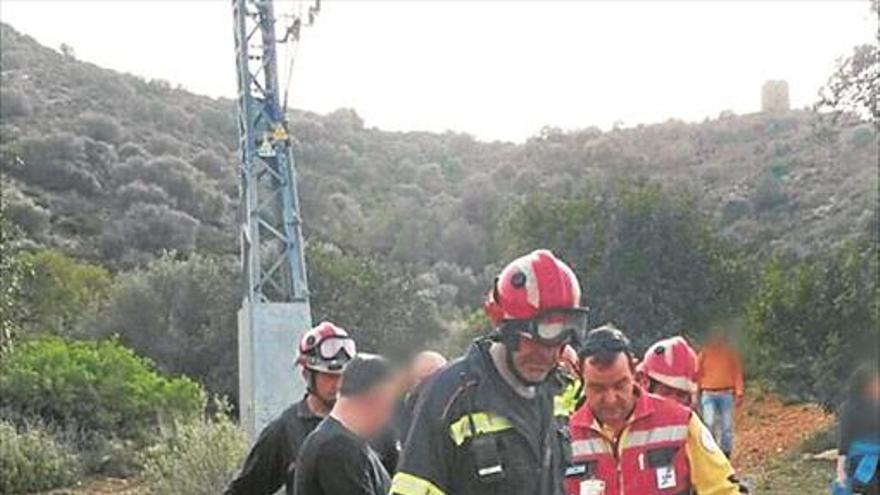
(720, 380)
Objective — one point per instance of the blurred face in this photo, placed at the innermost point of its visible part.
(326, 386)
(872, 389)
(425, 365)
(610, 390)
(535, 360)
(380, 403)
(680, 396)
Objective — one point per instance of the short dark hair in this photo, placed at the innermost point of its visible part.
(364, 372)
(602, 346)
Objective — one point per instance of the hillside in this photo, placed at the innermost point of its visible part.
(113, 168)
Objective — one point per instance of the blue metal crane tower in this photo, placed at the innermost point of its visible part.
(275, 307)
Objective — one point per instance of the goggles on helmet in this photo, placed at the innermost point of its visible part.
(553, 326)
(331, 347)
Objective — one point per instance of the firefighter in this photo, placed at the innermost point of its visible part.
(669, 369)
(323, 352)
(485, 424)
(570, 394)
(627, 440)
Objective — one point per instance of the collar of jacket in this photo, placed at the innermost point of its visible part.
(644, 407)
(304, 411)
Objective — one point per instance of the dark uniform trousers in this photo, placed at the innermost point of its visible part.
(471, 434)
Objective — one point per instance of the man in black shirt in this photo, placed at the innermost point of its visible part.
(336, 458)
(323, 351)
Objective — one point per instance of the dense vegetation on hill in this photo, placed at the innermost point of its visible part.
(668, 225)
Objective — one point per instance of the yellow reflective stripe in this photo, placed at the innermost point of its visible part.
(566, 402)
(484, 422)
(656, 435)
(589, 447)
(408, 484)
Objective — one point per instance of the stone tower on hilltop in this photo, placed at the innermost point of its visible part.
(774, 97)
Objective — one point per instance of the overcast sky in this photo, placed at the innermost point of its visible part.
(498, 70)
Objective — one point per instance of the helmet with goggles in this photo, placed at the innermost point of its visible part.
(537, 296)
(325, 348)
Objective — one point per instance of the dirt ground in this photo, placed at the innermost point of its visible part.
(766, 428)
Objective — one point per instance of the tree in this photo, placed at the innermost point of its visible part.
(379, 304)
(67, 50)
(647, 261)
(855, 84)
(101, 127)
(13, 270)
(810, 323)
(181, 314)
(60, 290)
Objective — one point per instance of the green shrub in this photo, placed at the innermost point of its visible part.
(60, 290)
(196, 457)
(33, 460)
(101, 387)
(810, 324)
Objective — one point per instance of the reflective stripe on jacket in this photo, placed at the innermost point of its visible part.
(472, 435)
(649, 457)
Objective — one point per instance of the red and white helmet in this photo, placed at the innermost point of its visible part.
(673, 363)
(325, 348)
(537, 295)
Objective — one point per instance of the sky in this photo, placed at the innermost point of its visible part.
(494, 69)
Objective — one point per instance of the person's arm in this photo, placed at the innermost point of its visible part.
(736, 370)
(424, 462)
(264, 469)
(841, 470)
(711, 472)
(844, 441)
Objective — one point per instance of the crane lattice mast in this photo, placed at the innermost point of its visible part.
(275, 307)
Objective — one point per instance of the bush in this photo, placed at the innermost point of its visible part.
(33, 460)
(60, 290)
(101, 127)
(14, 103)
(180, 314)
(811, 323)
(154, 228)
(101, 387)
(196, 457)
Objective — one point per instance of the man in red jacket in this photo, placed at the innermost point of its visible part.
(628, 441)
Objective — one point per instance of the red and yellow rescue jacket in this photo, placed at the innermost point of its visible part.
(663, 450)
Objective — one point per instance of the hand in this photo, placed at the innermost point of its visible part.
(841, 472)
(738, 400)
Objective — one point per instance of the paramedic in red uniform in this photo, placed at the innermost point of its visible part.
(628, 441)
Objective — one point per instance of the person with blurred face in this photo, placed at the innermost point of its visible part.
(336, 458)
(423, 366)
(858, 463)
(487, 422)
(323, 352)
(624, 436)
(720, 379)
